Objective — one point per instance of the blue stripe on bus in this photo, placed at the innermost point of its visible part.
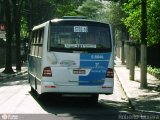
(98, 63)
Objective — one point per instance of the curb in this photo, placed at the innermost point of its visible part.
(130, 99)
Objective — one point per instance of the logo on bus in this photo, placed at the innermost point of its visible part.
(68, 63)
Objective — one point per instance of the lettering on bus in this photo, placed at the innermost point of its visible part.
(80, 29)
(80, 46)
(97, 57)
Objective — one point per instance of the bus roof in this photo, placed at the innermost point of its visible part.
(40, 26)
(77, 19)
(66, 18)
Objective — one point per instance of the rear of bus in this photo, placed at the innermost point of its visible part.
(79, 58)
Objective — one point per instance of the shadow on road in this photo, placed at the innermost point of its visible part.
(18, 80)
(80, 108)
(154, 88)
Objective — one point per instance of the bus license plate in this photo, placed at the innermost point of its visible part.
(79, 72)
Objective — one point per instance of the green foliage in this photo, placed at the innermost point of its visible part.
(64, 7)
(91, 9)
(133, 20)
(154, 71)
(115, 14)
(24, 28)
(37, 11)
(153, 22)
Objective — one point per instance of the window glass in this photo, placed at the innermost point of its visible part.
(79, 37)
(37, 42)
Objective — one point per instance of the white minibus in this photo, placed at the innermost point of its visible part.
(71, 56)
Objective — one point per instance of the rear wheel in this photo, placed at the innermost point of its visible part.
(49, 97)
(94, 99)
(29, 80)
(36, 94)
(32, 90)
(39, 96)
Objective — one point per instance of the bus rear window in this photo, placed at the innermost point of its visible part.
(79, 37)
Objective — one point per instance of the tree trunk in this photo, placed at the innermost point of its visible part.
(8, 65)
(17, 33)
(122, 48)
(143, 66)
(144, 45)
(127, 54)
(132, 61)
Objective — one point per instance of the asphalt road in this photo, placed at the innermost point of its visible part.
(17, 102)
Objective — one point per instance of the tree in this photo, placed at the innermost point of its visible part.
(115, 15)
(133, 20)
(37, 9)
(8, 65)
(24, 14)
(153, 22)
(1, 11)
(91, 9)
(136, 9)
(17, 17)
(143, 45)
(65, 7)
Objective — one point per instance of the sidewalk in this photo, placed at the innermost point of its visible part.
(146, 100)
(4, 76)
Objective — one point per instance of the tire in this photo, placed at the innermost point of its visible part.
(28, 79)
(35, 93)
(38, 96)
(94, 99)
(32, 90)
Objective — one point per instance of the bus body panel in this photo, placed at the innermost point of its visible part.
(34, 70)
(93, 80)
(79, 68)
(35, 63)
(98, 64)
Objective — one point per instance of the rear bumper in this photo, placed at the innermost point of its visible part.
(50, 87)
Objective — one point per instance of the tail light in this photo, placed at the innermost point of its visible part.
(109, 73)
(47, 72)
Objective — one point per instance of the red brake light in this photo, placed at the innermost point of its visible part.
(47, 72)
(110, 73)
